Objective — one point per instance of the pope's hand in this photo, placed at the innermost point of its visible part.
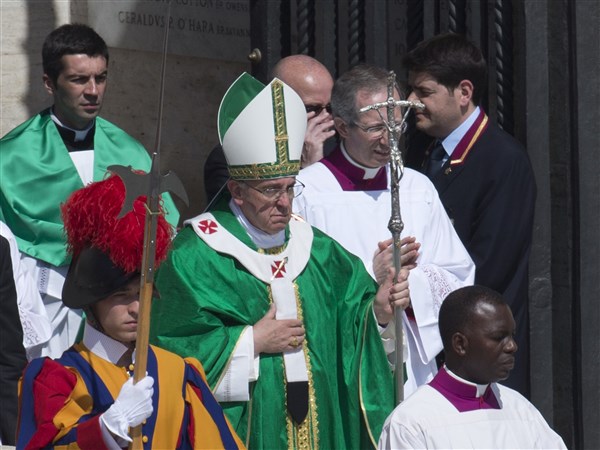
(391, 295)
(277, 336)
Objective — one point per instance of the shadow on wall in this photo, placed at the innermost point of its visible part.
(40, 22)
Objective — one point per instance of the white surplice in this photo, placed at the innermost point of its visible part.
(359, 220)
(428, 420)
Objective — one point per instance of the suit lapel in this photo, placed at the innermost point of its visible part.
(455, 164)
(444, 178)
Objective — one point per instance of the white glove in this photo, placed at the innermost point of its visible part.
(132, 406)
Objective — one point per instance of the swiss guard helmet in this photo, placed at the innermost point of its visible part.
(106, 250)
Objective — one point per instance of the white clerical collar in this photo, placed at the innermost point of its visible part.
(80, 135)
(480, 387)
(102, 345)
(370, 172)
(452, 140)
(259, 237)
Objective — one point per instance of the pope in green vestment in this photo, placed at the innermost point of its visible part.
(208, 298)
(38, 175)
(281, 316)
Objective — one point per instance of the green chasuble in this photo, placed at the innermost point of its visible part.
(207, 299)
(37, 175)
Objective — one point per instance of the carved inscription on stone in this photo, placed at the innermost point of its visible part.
(216, 29)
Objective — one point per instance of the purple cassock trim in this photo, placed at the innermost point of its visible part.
(350, 177)
(463, 396)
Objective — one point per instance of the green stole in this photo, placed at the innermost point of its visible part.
(38, 175)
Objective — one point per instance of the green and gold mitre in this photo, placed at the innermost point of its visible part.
(261, 129)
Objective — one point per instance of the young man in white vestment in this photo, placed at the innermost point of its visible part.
(463, 406)
(347, 195)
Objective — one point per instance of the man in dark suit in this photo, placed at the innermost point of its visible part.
(483, 175)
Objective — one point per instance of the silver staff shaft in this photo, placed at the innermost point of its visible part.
(395, 224)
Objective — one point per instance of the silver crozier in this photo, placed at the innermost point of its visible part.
(395, 224)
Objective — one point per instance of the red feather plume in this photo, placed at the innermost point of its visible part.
(90, 219)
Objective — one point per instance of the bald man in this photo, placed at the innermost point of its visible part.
(463, 406)
(313, 83)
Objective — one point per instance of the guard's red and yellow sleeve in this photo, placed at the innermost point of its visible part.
(54, 409)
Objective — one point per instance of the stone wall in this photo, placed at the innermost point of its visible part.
(193, 89)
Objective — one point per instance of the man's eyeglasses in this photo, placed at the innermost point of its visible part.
(318, 108)
(272, 193)
(374, 132)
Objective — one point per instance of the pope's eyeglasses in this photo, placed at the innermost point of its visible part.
(272, 193)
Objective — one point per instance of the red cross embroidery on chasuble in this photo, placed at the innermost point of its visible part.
(208, 226)
(278, 268)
